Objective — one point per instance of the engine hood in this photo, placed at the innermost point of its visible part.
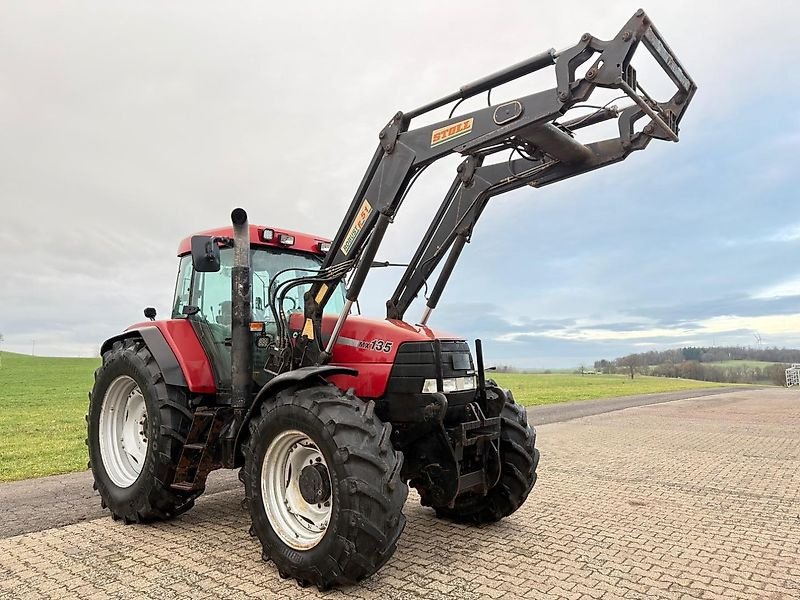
(370, 346)
(364, 340)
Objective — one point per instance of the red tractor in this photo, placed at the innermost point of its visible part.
(328, 415)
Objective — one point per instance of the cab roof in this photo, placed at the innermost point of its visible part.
(303, 242)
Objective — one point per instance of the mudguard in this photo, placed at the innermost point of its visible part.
(284, 380)
(164, 356)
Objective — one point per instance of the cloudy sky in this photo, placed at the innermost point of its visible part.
(125, 126)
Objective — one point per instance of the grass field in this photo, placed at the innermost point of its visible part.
(43, 402)
(749, 364)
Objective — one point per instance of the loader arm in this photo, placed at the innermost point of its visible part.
(473, 187)
(528, 123)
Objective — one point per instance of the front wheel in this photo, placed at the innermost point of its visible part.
(323, 486)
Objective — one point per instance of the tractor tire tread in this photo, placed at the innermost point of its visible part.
(371, 494)
(154, 500)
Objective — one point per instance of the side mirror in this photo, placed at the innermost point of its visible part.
(150, 313)
(205, 254)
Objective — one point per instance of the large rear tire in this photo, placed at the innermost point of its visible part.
(136, 429)
(519, 459)
(323, 486)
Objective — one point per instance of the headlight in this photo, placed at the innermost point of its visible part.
(450, 384)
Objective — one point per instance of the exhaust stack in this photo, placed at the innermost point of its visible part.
(241, 346)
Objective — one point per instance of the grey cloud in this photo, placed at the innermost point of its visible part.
(743, 306)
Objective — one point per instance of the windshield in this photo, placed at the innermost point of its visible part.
(269, 264)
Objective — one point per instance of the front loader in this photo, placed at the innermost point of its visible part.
(330, 416)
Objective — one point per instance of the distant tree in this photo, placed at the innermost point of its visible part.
(703, 363)
(630, 362)
(776, 374)
(692, 353)
(604, 366)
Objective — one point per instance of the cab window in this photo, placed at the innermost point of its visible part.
(183, 288)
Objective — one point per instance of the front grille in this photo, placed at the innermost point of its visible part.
(416, 361)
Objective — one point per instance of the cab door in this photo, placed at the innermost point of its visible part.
(205, 299)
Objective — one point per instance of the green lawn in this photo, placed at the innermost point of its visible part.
(43, 402)
(749, 364)
(532, 389)
(42, 405)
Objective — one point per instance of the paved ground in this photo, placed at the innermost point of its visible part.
(694, 498)
(47, 502)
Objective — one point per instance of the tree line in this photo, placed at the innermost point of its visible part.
(700, 363)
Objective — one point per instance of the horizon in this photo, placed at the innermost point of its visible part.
(498, 365)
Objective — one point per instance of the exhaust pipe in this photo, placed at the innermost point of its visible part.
(241, 344)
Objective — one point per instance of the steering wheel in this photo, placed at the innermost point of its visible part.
(293, 301)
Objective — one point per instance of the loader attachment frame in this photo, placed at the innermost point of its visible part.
(529, 125)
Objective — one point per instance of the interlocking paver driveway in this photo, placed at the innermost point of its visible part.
(695, 498)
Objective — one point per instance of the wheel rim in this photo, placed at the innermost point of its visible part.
(123, 431)
(291, 461)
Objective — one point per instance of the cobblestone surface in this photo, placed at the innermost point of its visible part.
(697, 498)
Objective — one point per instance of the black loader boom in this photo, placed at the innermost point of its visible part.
(529, 126)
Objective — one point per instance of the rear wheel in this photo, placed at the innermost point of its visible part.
(136, 430)
(323, 486)
(123, 431)
(519, 459)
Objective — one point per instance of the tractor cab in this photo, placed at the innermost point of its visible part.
(204, 297)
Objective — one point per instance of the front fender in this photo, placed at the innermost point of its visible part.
(283, 381)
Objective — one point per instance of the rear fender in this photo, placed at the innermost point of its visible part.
(304, 375)
(164, 356)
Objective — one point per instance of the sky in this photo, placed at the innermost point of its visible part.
(126, 126)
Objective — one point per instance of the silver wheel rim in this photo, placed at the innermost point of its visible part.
(299, 524)
(123, 431)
